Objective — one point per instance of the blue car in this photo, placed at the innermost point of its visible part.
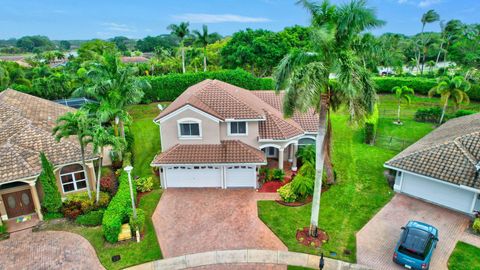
(415, 248)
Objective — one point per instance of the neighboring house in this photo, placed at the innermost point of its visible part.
(443, 167)
(217, 135)
(134, 59)
(26, 124)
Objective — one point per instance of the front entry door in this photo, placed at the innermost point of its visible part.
(18, 203)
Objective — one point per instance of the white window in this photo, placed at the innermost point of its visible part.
(189, 128)
(237, 128)
(73, 177)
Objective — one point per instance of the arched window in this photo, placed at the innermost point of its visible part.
(306, 141)
(73, 178)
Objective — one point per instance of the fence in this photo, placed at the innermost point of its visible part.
(392, 143)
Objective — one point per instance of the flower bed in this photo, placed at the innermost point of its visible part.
(305, 239)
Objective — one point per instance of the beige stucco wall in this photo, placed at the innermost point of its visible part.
(169, 130)
(251, 138)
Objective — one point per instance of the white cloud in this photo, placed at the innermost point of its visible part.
(218, 18)
(427, 3)
(117, 27)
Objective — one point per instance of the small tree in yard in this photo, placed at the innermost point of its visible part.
(52, 200)
(456, 88)
(402, 93)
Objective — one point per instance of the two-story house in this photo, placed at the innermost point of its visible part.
(217, 135)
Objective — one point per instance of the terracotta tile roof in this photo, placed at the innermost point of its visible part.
(228, 151)
(448, 153)
(26, 124)
(226, 101)
(134, 59)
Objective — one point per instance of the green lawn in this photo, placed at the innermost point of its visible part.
(464, 256)
(132, 253)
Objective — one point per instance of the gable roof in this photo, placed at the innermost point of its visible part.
(228, 102)
(26, 124)
(450, 153)
(228, 151)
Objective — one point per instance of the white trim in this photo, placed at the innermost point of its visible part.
(205, 164)
(432, 179)
(282, 140)
(244, 120)
(189, 120)
(74, 179)
(269, 145)
(237, 134)
(184, 108)
(475, 197)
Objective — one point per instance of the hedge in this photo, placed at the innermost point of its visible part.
(118, 210)
(169, 87)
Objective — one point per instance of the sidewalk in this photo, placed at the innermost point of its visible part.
(253, 256)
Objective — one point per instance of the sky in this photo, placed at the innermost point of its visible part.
(87, 19)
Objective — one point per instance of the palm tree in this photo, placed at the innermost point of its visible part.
(402, 93)
(180, 31)
(456, 88)
(203, 40)
(305, 75)
(80, 125)
(102, 138)
(428, 17)
(114, 87)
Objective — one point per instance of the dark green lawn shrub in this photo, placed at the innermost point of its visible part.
(3, 229)
(431, 115)
(118, 209)
(139, 222)
(371, 123)
(52, 200)
(278, 174)
(169, 87)
(93, 218)
(461, 113)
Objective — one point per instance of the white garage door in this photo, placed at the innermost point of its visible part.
(193, 176)
(241, 176)
(438, 193)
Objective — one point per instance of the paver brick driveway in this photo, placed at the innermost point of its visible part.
(47, 250)
(198, 220)
(377, 239)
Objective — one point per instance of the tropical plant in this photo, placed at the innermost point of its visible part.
(402, 93)
(77, 124)
(305, 76)
(428, 17)
(180, 31)
(303, 186)
(447, 87)
(287, 194)
(203, 40)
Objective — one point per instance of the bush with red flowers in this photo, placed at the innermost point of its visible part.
(109, 183)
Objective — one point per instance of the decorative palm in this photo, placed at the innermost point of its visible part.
(80, 125)
(402, 93)
(305, 75)
(428, 17)
(203, 39)
(180, 31)
(456, 88)
(102, 138)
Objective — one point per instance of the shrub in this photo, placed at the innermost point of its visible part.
(286, 193)
(476, 225)
(127, 159)
(3, 229)
(371, 123)
(302, 186)
(52, 200)
(169, 87)
(72, 210)
(87, 204)
(109, 183)
(418, 84)
(428, 114)
(118, 209)
(278, 174)
(144, 184)
(461, 113)
(139, 222)
(263, 173)
(93, 218)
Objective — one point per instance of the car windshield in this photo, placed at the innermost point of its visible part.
(415, 243)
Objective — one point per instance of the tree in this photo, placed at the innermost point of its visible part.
(203, 40)
(65, 45)
(52, 200)
(94, 50)
(456, 88)
(305, 75)
(428, 17)
(402, 93)
(102, 138)
(77, 124)
(180, 31)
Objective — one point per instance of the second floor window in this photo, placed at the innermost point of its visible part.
(238, 128)
(189, 129)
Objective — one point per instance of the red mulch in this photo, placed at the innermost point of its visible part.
(294, 204)
(272, 186)
(305, 239)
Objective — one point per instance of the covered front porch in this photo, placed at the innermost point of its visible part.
(283, 154)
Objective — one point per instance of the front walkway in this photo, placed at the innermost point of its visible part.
(47, 250)
(377, 239)
(198, 220)
(245, 259)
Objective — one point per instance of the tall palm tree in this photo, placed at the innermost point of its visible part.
(101, 138)
(456, 88)
(180, 31)
(428, 17)
(114, 87)
(402, 93)
(305, 75)
(203, 40)
(77, 124)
